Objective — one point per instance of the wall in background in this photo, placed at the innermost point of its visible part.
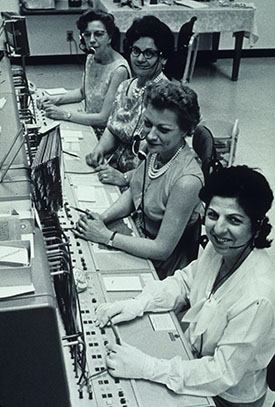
(264, 16)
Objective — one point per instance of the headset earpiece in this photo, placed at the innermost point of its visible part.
(82, 41)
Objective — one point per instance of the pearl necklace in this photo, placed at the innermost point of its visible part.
(153, 172)
(137, 92)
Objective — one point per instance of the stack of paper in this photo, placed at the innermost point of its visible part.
(190, 3)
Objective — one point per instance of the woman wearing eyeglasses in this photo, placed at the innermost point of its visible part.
(150, 43)
(164, 189)
(104, 71)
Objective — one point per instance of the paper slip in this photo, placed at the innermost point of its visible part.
(71, 135)
(2, 102)
(96, 196)
(11, 256)
(56, 91)
(71, 146)
(162, 322)
(85, 193)
(122, 283)
(6, 292)
(190, 3)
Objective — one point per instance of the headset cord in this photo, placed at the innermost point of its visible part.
(142, 199)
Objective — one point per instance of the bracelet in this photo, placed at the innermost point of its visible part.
(68, 115)
(110, 242)
(126, 178)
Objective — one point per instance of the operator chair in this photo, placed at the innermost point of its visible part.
(203, 144)
(181, 65)
(226, 135)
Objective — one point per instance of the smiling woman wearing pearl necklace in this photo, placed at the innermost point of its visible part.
(164, 189)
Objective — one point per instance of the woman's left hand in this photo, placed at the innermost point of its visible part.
(127, 361)
(93, 228)
(109, 175)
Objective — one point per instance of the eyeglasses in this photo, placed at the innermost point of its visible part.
(148, 53)
(97, 34)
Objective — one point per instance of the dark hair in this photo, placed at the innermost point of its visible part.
(253, 194)
(107, 20)
(179, 98)
(152, 27)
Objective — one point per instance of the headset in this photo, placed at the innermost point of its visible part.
(83, 46)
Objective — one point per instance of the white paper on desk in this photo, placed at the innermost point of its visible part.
(100, 199)
(190, 3)
(6, 292)
(56, 91)
(13, 254)
(122, 283)
(114, 196)
(71, 146)
(71, 135)
(85, 193)
(2, 102)
(162, 322)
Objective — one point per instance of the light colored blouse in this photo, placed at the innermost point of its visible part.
(158, 190)
(96, 81)
(235, 327)
(156, 195)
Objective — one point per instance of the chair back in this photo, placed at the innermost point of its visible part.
(226, 135)
(181, 65)
(204, 147)
(185, 35)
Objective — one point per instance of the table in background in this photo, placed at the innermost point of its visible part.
(213, 18)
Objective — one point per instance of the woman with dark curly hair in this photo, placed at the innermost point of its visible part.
(149, 42)
(105, 69)
(231, 291)
(164, 189)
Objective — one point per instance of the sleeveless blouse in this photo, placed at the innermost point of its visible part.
(96, 82)
(156, 195)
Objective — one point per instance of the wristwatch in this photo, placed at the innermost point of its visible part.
(69, 115)
(110, 242)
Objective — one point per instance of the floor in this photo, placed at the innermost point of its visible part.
(251, 99)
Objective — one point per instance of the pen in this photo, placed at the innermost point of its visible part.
(114, 331)
(72, 154)
(82, 211)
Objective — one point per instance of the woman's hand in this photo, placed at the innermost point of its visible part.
(109, 175)
(93, 228)
(44, 100)
(119, 311)
(54, 112)
(128, 362)
(95, 158)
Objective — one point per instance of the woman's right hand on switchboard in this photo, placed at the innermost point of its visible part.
(118, 311)
(43, 100)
